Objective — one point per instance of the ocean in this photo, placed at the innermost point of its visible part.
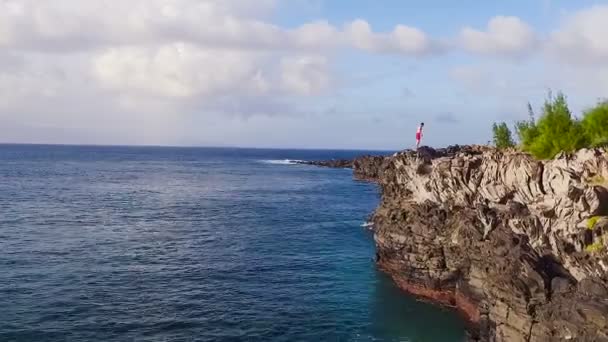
(194, 244)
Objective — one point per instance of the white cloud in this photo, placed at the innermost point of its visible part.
(403, 39)
(178, 52)
(178, 70)
(411, 40)
(361, 36)
(209, 57)
(505, 36)
(156, 66)
(23, 79)
(318, 34)
(305, 75)
(583, 38)
(574, 60)
(75, 25)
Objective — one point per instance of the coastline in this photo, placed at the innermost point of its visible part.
(499, 237)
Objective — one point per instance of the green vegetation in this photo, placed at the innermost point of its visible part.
(527, 130)
(595, 247)
(502, 136)
(592, 221)
(556, 129)
(597, 180)
(595, 124)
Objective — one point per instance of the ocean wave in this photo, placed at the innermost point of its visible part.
(367, 224)
(282, 161)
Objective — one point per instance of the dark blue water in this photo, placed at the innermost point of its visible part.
(185, 244)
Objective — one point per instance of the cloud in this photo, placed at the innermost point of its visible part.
(318, 34)
(582, 39)
(24, 78)
(305, 75)
(10, 61)
(157, 66)
(62, 25)
(504, 36)
(178, 70)
(403, 39)
(88, 60)
(412, 40)
(573, 58)
(73, 25)
(158, 57)
(176, 53)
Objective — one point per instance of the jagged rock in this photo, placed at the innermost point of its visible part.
(501, 236)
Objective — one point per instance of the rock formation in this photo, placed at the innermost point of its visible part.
(334, 163)
(517, 245)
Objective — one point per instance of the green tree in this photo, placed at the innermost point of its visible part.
(526, 130)
(555, 131)
(595, 124)
(502, 136)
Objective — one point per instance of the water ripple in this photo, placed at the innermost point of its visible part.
(159, 244)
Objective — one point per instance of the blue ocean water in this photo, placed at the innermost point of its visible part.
(194, 244)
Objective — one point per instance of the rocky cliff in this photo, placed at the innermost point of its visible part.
(517, 245)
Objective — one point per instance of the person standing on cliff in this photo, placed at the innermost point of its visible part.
(419, 134)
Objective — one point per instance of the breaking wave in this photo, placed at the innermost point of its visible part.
(282, 161)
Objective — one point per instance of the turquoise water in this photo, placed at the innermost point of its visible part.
(186, 244)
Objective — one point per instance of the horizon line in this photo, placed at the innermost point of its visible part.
(199, 146)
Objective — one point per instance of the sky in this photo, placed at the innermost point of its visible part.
(345, 74)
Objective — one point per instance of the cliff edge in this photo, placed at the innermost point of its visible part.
(517, 245)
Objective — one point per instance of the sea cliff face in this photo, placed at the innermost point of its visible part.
(517, 245)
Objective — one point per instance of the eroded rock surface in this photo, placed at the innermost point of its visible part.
(515, 244)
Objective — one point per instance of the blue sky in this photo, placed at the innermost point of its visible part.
(436, 17)
(290, 73)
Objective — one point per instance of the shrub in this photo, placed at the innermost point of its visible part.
(527, 133)
(502, 136)
(555, 131)
(595, 124)
(527, 130)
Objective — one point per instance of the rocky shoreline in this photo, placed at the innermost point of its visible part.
(517, 245)
(334, 163)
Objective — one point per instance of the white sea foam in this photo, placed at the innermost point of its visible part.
(282, 161)
(367, 224)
